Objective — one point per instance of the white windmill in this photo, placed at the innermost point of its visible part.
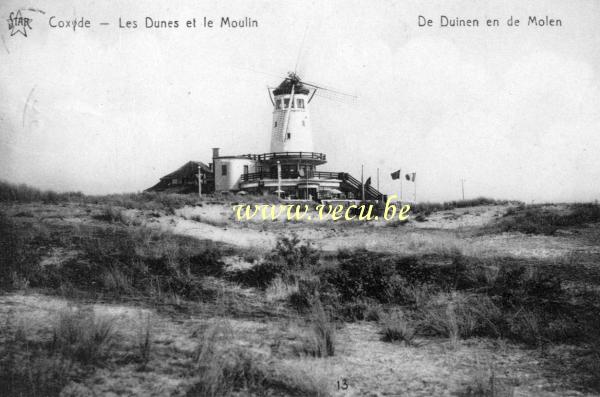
(291, 129)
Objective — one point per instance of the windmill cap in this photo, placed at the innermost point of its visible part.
(286, 87)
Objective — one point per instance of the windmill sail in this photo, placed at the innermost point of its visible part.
(286, 124)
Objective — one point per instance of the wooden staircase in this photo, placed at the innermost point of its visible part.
(351, 184)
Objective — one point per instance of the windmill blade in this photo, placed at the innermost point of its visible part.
(300, 50)
(323, 88)
(287, 114)
(335, 97)
(279, 76)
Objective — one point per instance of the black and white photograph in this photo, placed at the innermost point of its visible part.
(300, 198)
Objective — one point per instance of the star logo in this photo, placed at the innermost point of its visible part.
(18, 23)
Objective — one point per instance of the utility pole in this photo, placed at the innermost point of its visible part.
(199, 181)
(307, 171)
(380, 197)
(462, 184)
(278, 179)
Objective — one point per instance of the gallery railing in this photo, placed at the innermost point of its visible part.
(348, 182)
(254, 176)
(294, 155)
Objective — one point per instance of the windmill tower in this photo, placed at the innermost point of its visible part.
(291, 129)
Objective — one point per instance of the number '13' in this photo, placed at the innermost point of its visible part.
(343, 385)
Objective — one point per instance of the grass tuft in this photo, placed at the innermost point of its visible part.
(395, 328)
(80, 335)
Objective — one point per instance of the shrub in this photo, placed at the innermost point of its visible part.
(226, 369)
(132, 261)
(259, 275)
(26, 369)
(589, 365)
(114, 280)
(33, 373)
(538, 220)
(111, 214)
(12, 248)
(144, 342)
(395, 328)
(518, 285)
(293, 255)
(448, 271)
(223, 368)
(360, 274)
(365, 275)
(80, 335)
(323, 331)
(428, 208)
(18, 263)
(287, 259)
(358, 310)
(280, 290)
(373, 313)
(307, 294)
(206, 263)
(460, 316)
(419, 295)
(10, 192)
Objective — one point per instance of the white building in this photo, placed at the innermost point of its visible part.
(290, 168)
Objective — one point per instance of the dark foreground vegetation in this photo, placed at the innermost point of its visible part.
(450, 296)
(412, 298)
(113, 262)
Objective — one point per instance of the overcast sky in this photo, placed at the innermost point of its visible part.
(513, 111)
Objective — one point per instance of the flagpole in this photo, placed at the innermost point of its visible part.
(362, 183)
(401, 187)
(199, 181)
(415, 182)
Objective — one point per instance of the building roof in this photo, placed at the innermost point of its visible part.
(187, 170)
(286, 87)
(187, 176)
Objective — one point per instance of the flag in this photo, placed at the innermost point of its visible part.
(411, 176)
(301, 172)
(396, 175)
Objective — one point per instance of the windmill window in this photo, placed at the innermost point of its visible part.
(289, 135)
(303, 123)
(301, 103)
(278, 104)
(245, 169)
(224, 170)
(275, 124)
(286, 102)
